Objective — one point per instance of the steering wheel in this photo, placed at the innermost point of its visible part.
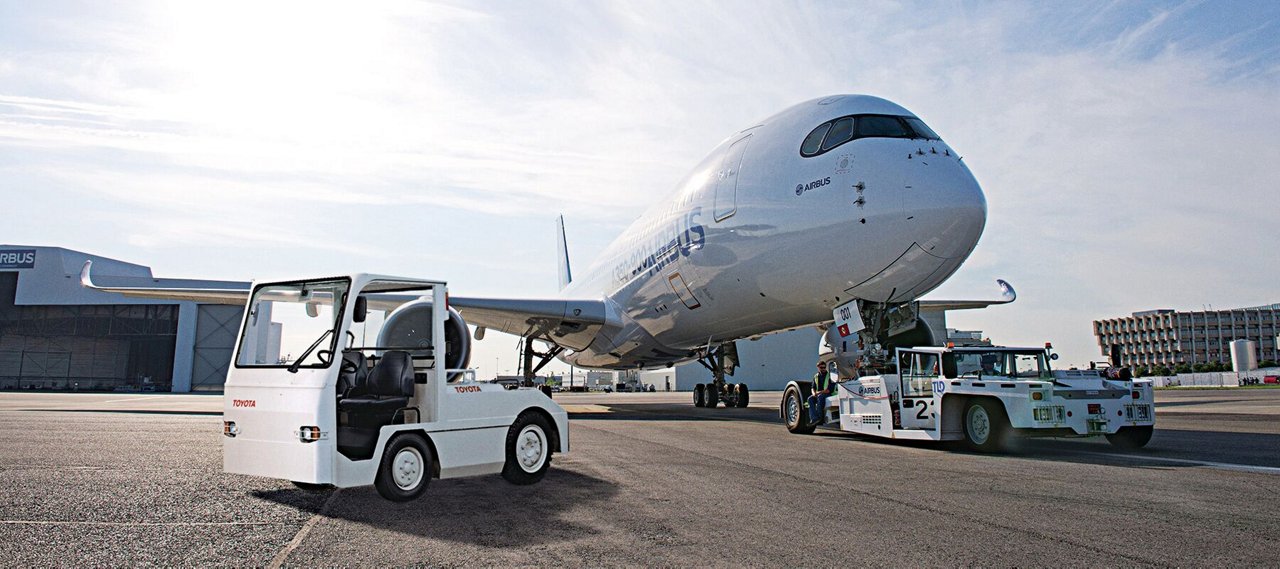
(325, 356)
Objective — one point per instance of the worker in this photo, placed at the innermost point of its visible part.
(823, 388)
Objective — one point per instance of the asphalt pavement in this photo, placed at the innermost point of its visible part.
(130, 480)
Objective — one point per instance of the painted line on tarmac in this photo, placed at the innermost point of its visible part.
(165, 524)
(580, 408)
(128, 399)
(1205, 463)
(293, 544)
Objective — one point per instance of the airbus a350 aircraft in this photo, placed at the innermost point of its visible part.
(838, 212)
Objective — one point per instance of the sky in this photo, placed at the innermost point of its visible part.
(1129, 151)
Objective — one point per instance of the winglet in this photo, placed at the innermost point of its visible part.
(1007, 294)
(85, 280)
(562, 254)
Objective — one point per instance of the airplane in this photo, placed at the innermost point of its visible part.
(836, 211)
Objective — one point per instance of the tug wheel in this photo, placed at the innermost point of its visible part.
(794, 413)
(405, 469)
(1131, 438)
(985, 426)
(528, 449)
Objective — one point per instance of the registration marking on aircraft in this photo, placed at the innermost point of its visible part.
(1205, 463)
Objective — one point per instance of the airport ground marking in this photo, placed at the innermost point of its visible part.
(144, 524)
(283, 554)
(1205, 463)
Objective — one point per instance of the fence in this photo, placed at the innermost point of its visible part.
(1213, 379)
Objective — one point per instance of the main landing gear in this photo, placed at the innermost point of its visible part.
(721, 361)
(531, 370)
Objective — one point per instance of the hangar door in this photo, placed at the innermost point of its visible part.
(216, 328)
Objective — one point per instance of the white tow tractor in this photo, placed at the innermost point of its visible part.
(351, 381)
(982, 395)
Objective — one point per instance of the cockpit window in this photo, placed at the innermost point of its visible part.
(888, 127)
(837, 132)
(840, 133)
(814, 140)
(922, 130)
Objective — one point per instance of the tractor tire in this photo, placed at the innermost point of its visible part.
(405, 468)
(528, 449)
(794, 414)
(1131, 438)
(986, 427)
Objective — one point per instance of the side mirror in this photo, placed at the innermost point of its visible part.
(361, 309)
(1053, 356)
(949, 367)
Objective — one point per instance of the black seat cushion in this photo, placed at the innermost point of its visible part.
(388, 389)
(393, 375)
(373, 406)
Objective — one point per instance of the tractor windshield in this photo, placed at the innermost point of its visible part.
(293, 325)
(1021, 364)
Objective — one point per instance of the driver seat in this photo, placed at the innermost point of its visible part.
(385, 395)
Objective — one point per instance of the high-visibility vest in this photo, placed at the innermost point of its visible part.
(821, 381)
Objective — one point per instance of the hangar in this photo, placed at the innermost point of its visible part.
(57, 335)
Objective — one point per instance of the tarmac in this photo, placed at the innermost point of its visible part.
(133, 480)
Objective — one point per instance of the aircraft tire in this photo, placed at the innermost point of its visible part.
(712, 397)
(699, 397)
(744, 395)
(986, 427)
(528, 449)
(405, 469)
(1131, 438)
(794, 414)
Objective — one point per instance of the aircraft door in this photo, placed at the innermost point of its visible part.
(918, 371)
(727, 180)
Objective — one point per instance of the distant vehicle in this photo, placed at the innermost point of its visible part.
(393, 413)
(983, 396)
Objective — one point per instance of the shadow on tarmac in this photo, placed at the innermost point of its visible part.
(656, 412)
(485, 510)
(1184, 448)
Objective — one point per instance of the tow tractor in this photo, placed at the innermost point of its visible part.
(982, 396)
(358, 380)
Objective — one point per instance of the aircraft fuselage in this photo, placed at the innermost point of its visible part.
(770, 232)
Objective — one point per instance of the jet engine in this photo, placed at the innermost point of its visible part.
(409, 326)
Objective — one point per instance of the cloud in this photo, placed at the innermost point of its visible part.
(1123, 148)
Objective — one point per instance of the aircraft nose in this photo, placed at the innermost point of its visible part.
(945, 206)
